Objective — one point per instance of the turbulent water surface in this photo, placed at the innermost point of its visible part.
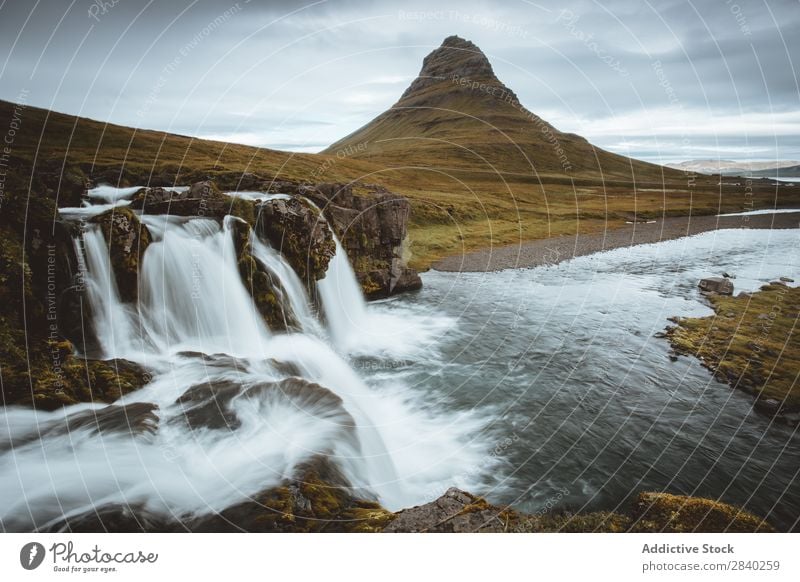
(534, 387)
(586, 407)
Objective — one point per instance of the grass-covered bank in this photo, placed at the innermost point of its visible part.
(455, 207)
(752, 342)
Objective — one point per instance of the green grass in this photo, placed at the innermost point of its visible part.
(459, 202)
(752, 342)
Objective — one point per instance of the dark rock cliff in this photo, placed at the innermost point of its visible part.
(373, 230)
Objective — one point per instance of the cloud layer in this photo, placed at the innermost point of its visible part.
(661, 81)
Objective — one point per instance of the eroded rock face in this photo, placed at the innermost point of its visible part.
(460, 512)
(201, 200)
(372, 229)
(720, 285)
(318, 500)
(127, 239)
(456, 58)
(454, 512)
(266, 290)
(295, 228)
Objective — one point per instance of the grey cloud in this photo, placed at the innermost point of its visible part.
(303, 74)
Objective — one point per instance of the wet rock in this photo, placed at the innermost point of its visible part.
(664, 512)
(454, 512)
(127, 239)
(718, 285)
(768, 405)
(266, 290)
(319, 499)
(201, 200)
(219, 360)
(114, 518)
(295, 229)
(69, 379)
(209, 405)
(373, 230)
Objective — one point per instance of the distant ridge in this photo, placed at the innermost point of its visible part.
(772, 168)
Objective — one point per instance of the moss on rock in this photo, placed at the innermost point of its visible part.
(319, 500)
(664, 512)
(297, 230)
(127, 239)
(459, 511)
(265, 289)
(751, 342)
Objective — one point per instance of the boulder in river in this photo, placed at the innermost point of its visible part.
(719, 285)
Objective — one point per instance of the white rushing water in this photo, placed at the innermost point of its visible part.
(195, 325)
(345, 308)
(295, 293)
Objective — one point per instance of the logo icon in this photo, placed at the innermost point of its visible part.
(31, 555)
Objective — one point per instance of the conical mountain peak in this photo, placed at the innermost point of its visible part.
(458, 114)
(455, 59)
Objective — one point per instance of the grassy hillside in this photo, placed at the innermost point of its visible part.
(457, 205)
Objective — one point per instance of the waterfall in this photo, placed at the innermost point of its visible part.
(192, 297)
(342, 299)
(274, 262)
(112, 319)
(232, 408)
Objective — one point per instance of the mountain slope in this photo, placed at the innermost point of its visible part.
(457, 114)
(47, 141)
(734, 168)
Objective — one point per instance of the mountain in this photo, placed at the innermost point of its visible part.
(734, 168)
(458, 114)
(499, 174)
(792, 171)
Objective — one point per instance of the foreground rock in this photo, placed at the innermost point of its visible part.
(455, 512)
(319, 500)
(373, 229)
(460, 512)
(753, 343)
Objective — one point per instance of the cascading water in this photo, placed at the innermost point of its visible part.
(345, 308)
(192, 298)
(274, 262)
(222, 418)
(112, 319)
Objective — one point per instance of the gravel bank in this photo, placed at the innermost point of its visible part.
(554, 250)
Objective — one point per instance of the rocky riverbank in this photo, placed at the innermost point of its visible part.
(752, 343)
(314, 504)
(552, 251)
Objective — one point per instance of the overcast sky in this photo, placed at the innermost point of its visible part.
(664, 81)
